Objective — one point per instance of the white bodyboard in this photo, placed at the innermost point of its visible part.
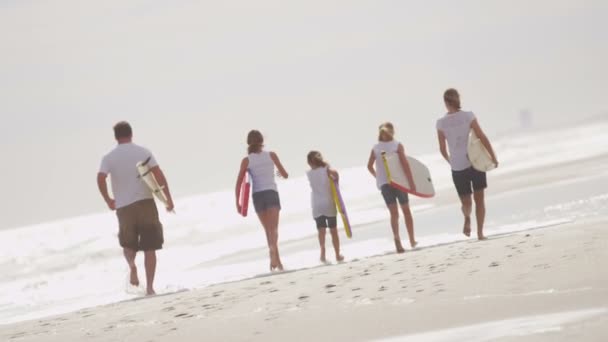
(420, 173)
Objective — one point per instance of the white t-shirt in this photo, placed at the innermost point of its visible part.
(456, 128)
(261, 170)
(120, 164)
(388, 147)
(322, 201)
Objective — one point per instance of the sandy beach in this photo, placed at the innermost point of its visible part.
(543, 285)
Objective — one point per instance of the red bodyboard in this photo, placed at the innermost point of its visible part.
(244, 197)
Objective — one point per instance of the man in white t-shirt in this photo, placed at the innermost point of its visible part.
(453, 128)
(139, 226)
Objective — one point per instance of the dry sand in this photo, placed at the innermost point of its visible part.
(548, 284)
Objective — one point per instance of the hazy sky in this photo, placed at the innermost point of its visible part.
(194, 76)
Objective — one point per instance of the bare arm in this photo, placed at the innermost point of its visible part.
(370, 164)
(103, 190)
(406, 167)
(282, 172)
(484, 140)
(162, 181)
(443, 145)
(333, 174)
(239, 182)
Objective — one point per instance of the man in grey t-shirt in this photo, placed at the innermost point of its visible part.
(139, 225)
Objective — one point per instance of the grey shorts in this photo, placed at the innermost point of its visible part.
(392, 195)
(326, 222)
(265, 200)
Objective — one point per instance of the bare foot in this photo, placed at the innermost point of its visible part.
(323, 259)
(399, 247)
(467, 227)
(413, 244)
(150, 292)
(481, 237)
(134, 279)
(339, 258)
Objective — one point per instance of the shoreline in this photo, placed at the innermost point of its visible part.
(541, 226)
(428, 282)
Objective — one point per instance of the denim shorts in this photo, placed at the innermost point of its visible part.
(392, 195)
(265, 200)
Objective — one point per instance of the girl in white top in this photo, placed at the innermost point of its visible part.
(323, 206)
(453, 132)
(387, 143)
(261, 167)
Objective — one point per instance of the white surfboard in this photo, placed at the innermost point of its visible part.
(478, 155)
(398, 180)
(148, 177)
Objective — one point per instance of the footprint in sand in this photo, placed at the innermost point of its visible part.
(303, 297)
(329, 286)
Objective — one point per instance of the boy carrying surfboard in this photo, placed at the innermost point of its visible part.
(393, 196)
(453, 131)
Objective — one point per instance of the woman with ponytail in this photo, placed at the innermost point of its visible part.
(323, 207)
(261, 167)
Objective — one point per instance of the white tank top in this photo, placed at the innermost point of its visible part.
(388, 147)
(261, 170)
(321, 198)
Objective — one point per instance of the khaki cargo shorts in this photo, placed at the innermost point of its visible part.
(139, 226)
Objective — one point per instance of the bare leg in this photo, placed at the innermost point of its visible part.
(395, 227)
(467, 206)
(265, 219)
(480, 212)
(409, 224)
(322, 232)
(130, 257)
(274, 224)
(150, 262)
(335, 239)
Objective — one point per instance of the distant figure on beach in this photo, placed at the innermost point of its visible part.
(323, 206)
(261, 167)
(139, 226)
(392, 197)
(453, 129)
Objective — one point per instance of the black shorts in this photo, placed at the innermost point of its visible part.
(392, 195)
(265, 200)
(326, 222)
(469, 180)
